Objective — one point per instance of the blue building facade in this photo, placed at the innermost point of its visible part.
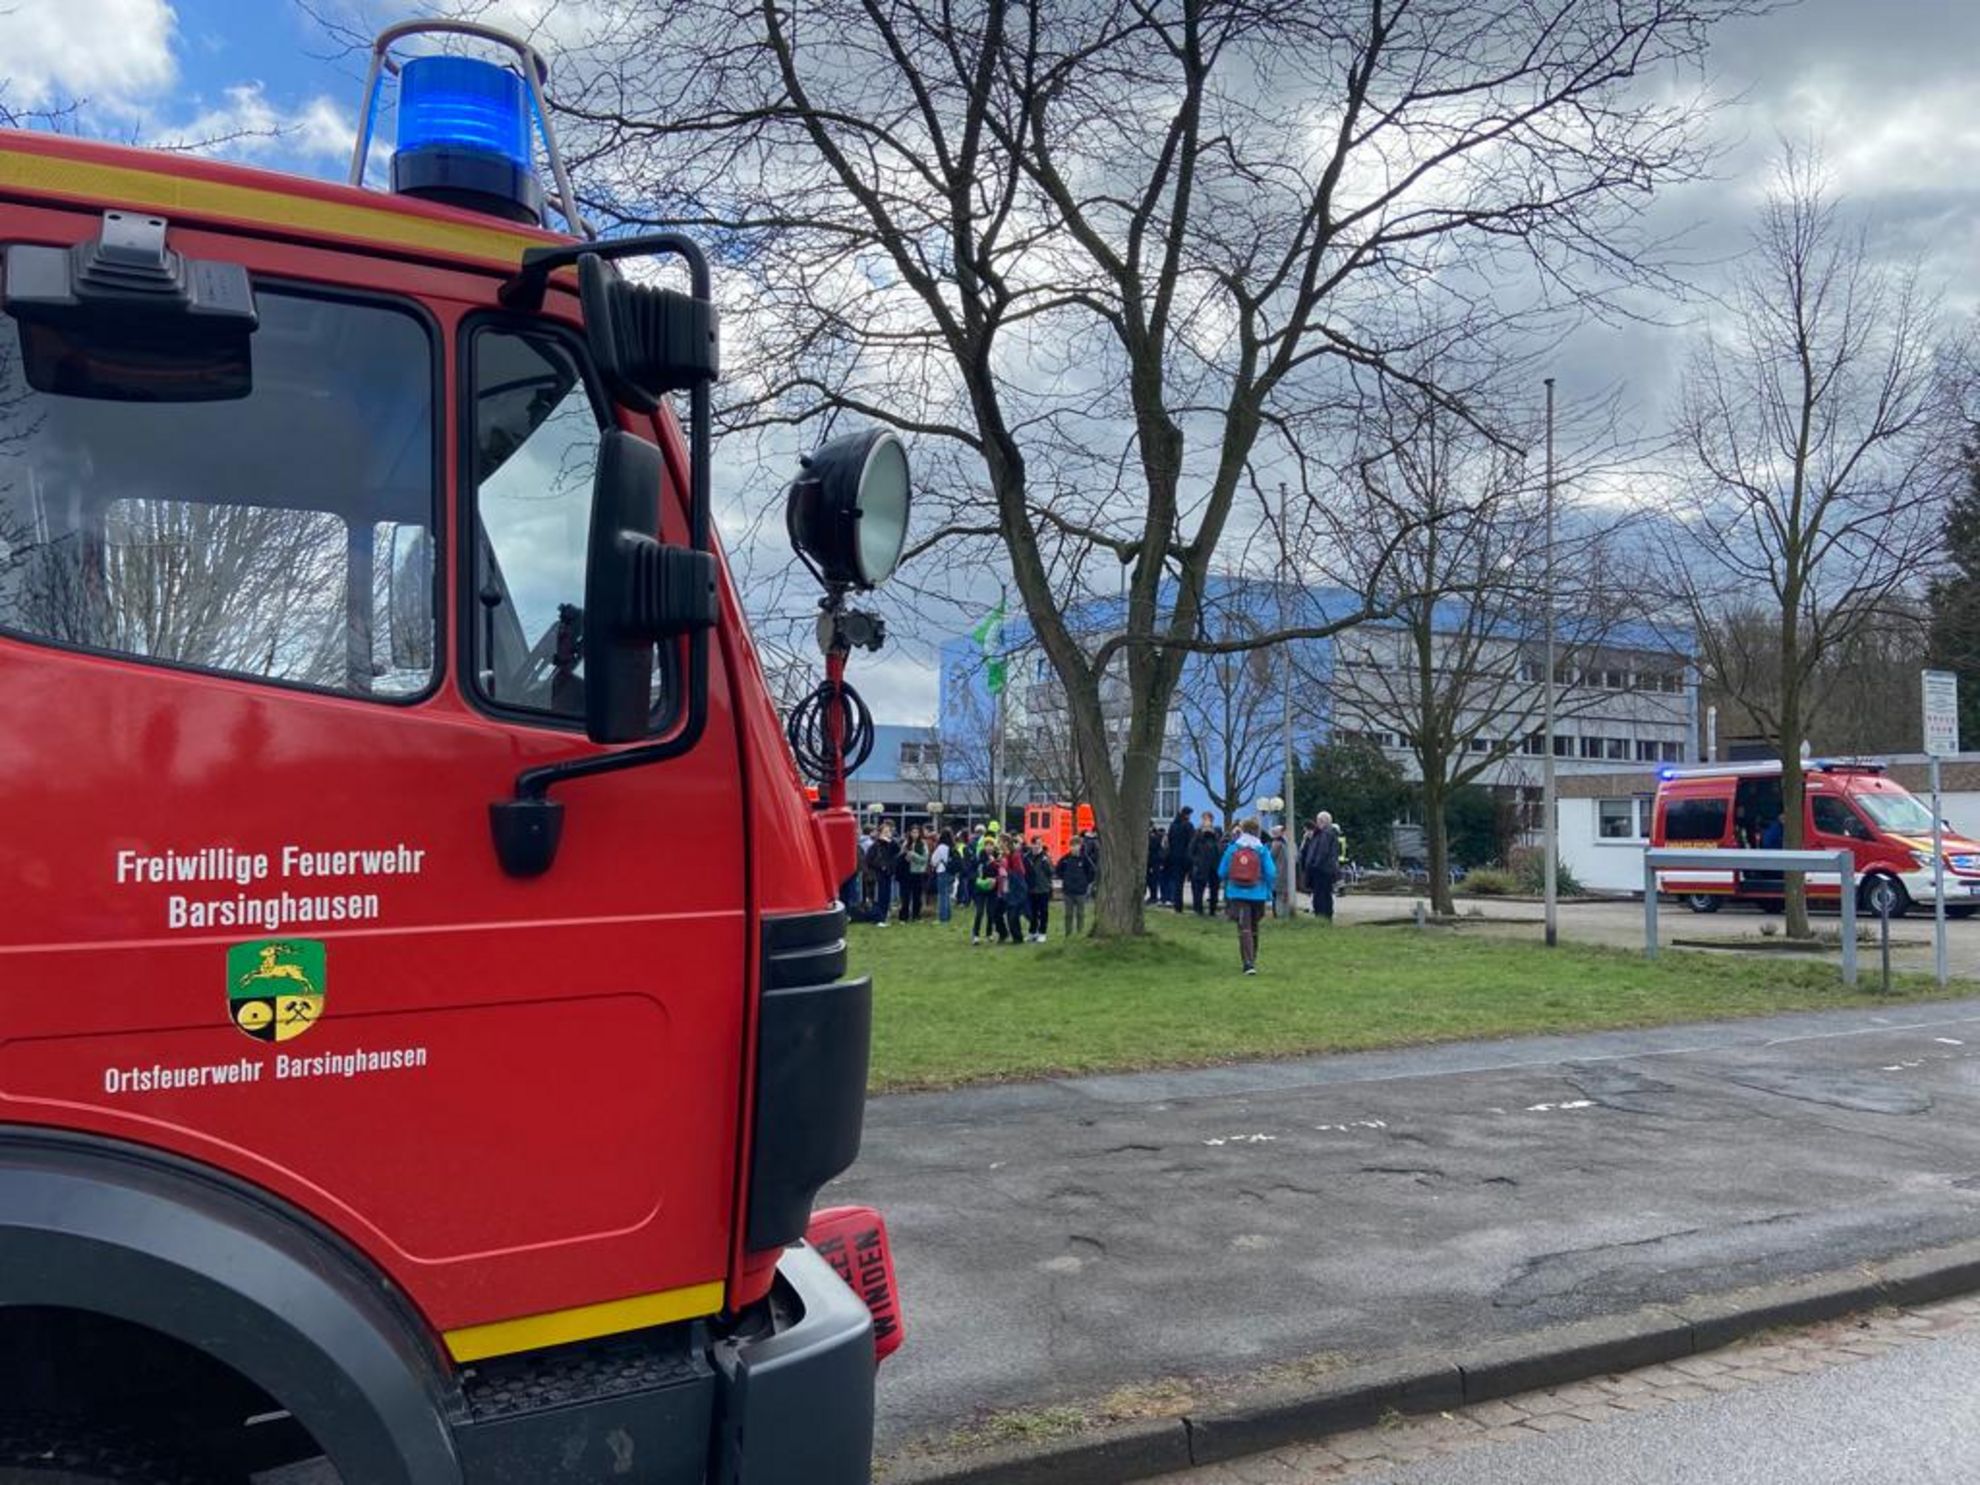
(1625, 694)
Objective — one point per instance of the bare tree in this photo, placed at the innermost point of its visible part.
(1103, 258)
(1459, 670)
(1816, 464)
(1228, 718)
(1861, 699)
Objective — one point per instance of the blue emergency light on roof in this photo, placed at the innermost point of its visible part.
(465, 137)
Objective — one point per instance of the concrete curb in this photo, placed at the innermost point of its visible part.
(1362, 1395)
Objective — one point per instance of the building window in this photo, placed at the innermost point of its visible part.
(1591, 747)
(1671, 752)
(1618, 748)
(1563, 746)
(1535, 744)
(1168, 793)
(1646, 752)
(1624, 819)
(1615, 680)
(1531, 671)
(921, 755)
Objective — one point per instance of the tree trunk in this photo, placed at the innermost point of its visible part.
(1793, 785)
(1121, 812)
(1437, 841)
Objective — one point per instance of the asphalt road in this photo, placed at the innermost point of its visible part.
(1060, 1240)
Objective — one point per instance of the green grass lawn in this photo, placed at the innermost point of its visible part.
(947, 1013)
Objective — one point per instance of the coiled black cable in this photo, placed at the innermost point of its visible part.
(811, 743)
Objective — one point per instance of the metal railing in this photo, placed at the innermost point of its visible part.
(1839, 862)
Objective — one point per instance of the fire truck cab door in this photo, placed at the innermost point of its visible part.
(268, 661)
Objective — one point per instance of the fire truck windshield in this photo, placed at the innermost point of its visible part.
(251, 537)
(1900, 814)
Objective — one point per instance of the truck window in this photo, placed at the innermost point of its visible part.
(1833, 816)
(537, 429)
(246, 537)
(1694, 819)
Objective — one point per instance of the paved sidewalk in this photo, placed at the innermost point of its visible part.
(1060, 1241)
(1376, 1453)
(1619, 925)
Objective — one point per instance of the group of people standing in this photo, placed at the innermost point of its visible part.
(1004, 883)
(1006, 880)
(1187, 857)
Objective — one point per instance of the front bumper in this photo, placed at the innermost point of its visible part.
(795, 1401)
(1961, 891)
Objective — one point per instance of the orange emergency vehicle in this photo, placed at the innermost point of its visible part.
(1057, 825)
(425, 1018)
(1848, 804)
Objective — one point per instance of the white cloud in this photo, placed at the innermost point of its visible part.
(1925, 139)
(247, 124)
(109, 52)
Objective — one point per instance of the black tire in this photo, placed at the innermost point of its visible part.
(53, 1451)
(1869, 896)
(1702, 902)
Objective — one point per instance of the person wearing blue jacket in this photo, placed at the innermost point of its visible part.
(1250, 877)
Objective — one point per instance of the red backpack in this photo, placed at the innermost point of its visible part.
(1247, 870)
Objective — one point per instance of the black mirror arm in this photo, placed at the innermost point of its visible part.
(526, 290)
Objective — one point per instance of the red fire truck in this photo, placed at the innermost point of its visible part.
(424, 1010)
(1848, 804)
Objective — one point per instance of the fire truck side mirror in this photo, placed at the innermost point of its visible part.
(638, 591)
(646, 341)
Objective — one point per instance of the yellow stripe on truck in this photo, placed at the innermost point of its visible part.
(586, 1322)
(302, 216)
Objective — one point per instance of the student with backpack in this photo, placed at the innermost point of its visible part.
(913, 871)
(880, 859)
(1204, 853)
(983, 879)
(938, 870)
(1014, 891)
(1038, 887)
(1249, 877)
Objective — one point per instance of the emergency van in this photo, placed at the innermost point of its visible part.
(425, 1019)
(1849, 804)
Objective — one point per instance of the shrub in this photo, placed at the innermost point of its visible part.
(1488, 882)
(1532, 870)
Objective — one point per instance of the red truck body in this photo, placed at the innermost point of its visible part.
(256, 936)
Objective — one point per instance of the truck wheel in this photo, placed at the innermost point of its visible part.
(50, 1451)
(1702, 902)
(1871, 897)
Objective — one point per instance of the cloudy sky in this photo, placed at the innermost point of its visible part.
(1887, 87)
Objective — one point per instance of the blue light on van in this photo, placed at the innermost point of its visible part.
(464, 137)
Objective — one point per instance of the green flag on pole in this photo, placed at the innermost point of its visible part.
(989, 637)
